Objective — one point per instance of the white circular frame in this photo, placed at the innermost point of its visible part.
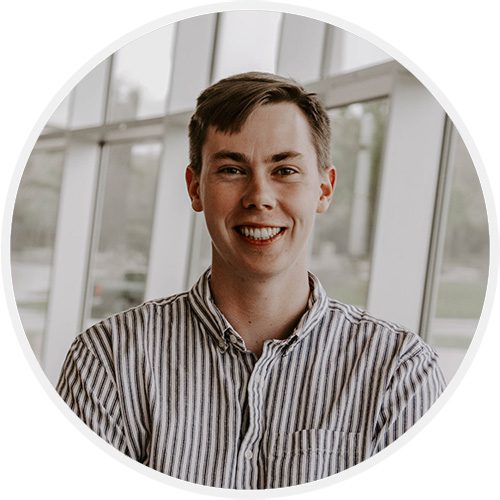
(320, 16)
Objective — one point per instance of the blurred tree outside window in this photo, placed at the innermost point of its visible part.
(139, 87)
(341, 250)
(462, 274)
(119, 264)
(32, 240)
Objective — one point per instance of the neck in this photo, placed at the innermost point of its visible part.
(258, 308)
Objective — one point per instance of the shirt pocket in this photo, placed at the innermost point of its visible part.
(311, 454)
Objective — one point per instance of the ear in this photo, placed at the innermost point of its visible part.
(193, 187)
(328, 177)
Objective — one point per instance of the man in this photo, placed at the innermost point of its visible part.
(254, 378)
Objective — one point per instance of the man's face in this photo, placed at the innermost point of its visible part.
(260, 190)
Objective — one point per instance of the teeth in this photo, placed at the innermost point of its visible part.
(264, 233)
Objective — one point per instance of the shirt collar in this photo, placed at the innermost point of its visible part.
(201, 300)
(203, 305)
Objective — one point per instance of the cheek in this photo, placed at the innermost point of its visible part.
(304, 206)
(218, 206)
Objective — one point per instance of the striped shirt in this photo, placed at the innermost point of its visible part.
(171, 384)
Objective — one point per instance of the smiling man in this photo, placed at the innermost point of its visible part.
(254, 378)
(260, 189)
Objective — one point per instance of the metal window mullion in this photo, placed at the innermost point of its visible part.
(108, 90)
(171, 231)
(363, 85)
(73, 236)
(279, 45)
(436, 247)
(215, 43)
(75, 221)
(405, 207)
(101, 176)
(329, 46)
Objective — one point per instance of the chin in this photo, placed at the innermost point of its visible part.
(263, 271)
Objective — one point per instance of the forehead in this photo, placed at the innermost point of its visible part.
(269, 129)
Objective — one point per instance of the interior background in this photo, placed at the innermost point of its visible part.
(102, 220)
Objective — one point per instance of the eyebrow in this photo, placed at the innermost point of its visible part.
(225, 154)
(285, 155)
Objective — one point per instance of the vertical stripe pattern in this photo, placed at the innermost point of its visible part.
(171, 384)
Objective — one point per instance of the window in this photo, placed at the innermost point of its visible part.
(106, 228)
(342, 240)
(463, 262)
(201, 250)
(60, 118)
(246, 41)
(138, 86)
(348, 52)
(32, 240)
(301, 48)
(123, 228)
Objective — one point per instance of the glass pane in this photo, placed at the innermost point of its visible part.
(349, 52)
(59, 120)
(194, 44)
(32, 240)
(463, 271)
(89, 97)
(140, 77)
(201, 253)
(341, 250)
(247, 41)
(301, 48)
(119, 266)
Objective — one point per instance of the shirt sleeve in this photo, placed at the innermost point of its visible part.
(89, 390)
(415, 385)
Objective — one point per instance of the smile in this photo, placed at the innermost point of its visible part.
(260, 234)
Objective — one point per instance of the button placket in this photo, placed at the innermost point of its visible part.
(247, 463)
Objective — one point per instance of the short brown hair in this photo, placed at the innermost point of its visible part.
(227, 104)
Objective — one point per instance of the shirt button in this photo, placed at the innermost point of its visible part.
(222, 344)
(248, 454)
(233, 338)
(257, 378)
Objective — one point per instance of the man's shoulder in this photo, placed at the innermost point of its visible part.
(359, 316)
(146, 310)
(151, 307)
(358, 322)
(135, 324)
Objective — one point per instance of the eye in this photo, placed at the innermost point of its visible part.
(231, 170)
(285, 171)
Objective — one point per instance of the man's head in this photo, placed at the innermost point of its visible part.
(227, 104)
(260, 173)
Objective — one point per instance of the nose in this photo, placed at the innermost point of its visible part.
(259, 193)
